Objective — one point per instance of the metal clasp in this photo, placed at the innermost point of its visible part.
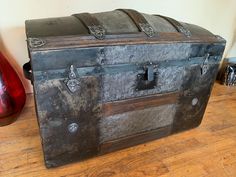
(72, 83)
(148, 79)
(205, 65)
(149, 72)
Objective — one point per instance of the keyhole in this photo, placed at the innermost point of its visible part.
(145, 76)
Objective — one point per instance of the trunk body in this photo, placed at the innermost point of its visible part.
(96, 93)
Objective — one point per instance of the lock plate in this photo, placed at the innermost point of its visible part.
(144, 84)
(147, 79)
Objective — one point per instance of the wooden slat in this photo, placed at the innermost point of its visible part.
(122, 106)
(135, 139)
(122, 39)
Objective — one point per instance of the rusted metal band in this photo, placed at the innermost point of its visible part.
(177, 25)
(139, 20)
(92, 24)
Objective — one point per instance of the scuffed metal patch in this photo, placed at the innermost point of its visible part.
(58, 109)
(130, 123)
(198, 87)
(110, 74)
(122, 85)
(147, 53)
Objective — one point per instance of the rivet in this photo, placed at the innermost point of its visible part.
(73, 127)
(194, 101)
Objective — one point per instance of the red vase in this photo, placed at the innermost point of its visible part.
(12, 93)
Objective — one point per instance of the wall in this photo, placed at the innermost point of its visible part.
(218, 16)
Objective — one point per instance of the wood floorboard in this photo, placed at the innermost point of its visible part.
(206, 151)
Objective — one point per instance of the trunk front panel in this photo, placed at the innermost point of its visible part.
(92, 101)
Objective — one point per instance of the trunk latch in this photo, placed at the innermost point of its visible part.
(147, 79)
(149, 73)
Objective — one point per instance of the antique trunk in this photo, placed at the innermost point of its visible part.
(111, 80)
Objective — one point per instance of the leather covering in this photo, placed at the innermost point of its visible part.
(114, 22)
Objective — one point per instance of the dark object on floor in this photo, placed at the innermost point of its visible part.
(230, 75)
(111, 80)
(12, 93)
(228, 72)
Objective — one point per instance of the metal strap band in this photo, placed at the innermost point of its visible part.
(139, 20)
(92, 24)
(177, 25)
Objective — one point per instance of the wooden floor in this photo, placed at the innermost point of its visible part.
(209, 150)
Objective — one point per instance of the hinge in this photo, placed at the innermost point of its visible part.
(72, 83)
(205, 65)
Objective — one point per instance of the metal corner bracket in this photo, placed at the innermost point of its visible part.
(98, 31)
(36, 42)
(147, 29)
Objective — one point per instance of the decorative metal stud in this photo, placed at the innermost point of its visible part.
(194, 101)
(73, 127)
(72, 83)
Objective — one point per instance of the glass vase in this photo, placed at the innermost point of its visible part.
(12, 93)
